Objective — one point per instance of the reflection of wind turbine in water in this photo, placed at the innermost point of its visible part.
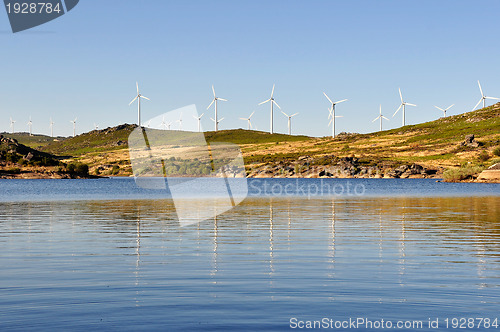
(138, 247)
(271, 239)
(214, 257)
(331, 246)
(402, 254)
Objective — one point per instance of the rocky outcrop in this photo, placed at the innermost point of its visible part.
(470, 142)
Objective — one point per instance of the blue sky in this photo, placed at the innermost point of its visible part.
(85, 64)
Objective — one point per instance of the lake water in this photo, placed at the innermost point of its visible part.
(103, 254)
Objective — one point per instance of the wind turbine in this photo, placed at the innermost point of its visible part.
(51, 128)
(168, 124)
(30, 126)
(332, 112)
(289, 121)
(215, 101)
(74, 126)
(217, 122)
(199, 121)
(380, 117)
(403, 105)
(138, 97)
(12, 124)
(444, 110)
(273, 102)
(180, 121)
(248, 120)
(163, 123)
(96, 127)
(483, 97)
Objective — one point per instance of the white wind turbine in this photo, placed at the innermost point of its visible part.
(138, 97)
(74, 126)
(217, 122)
(273, 102)
(96, 127)
(163, 123)
(289, 121)
(444, 110)
(483, 97)
(168, 124)
(380, 117)
(214, 101)
(249, 120)
(199, 121)
(51, 128)
(12, 125)
(332, 112)
(180, 121)
(403, 105)
(30, 126)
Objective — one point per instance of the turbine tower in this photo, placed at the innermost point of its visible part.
(273, 102)
(199, 121)
(380, 117)
(483, 97)
(214, 101)
(403, 105)
(444, 110)
(332, 112)
(74, 126)
(12, 125)
(30, 126)
(289, 121)
(138, 97)
(248, 120)
(51, 128)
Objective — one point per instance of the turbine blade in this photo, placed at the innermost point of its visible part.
(284, 113)
(340, 101)
(439, 108)
(213, 90)
(480, 88)
(145, 98)
(378, 117)
(331, 120)
(137, 85)
(479, 102)
(411, 104)
(400, 95)
(272, 92)
(221, 119)
(264, 102)
(133, 100)
(251, 115)
(397, 110)
(339, 116)
(222, 99)
(276, 104)
(213, 100)
(243, 119)
(383, 117)
(294, 114)
(450, 106)
(328, 98)
(202, 114)
(494, 98)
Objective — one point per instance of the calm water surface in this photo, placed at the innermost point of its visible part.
(121, 262)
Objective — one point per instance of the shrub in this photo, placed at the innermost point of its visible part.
(14, 171)
(483, 156)
(115, 170)
(459, 174)
(496, 152)
(78, 168)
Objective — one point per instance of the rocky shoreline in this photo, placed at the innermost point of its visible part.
(346, 167)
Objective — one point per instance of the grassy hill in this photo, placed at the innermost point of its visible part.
(35, 141)
(435, 143)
